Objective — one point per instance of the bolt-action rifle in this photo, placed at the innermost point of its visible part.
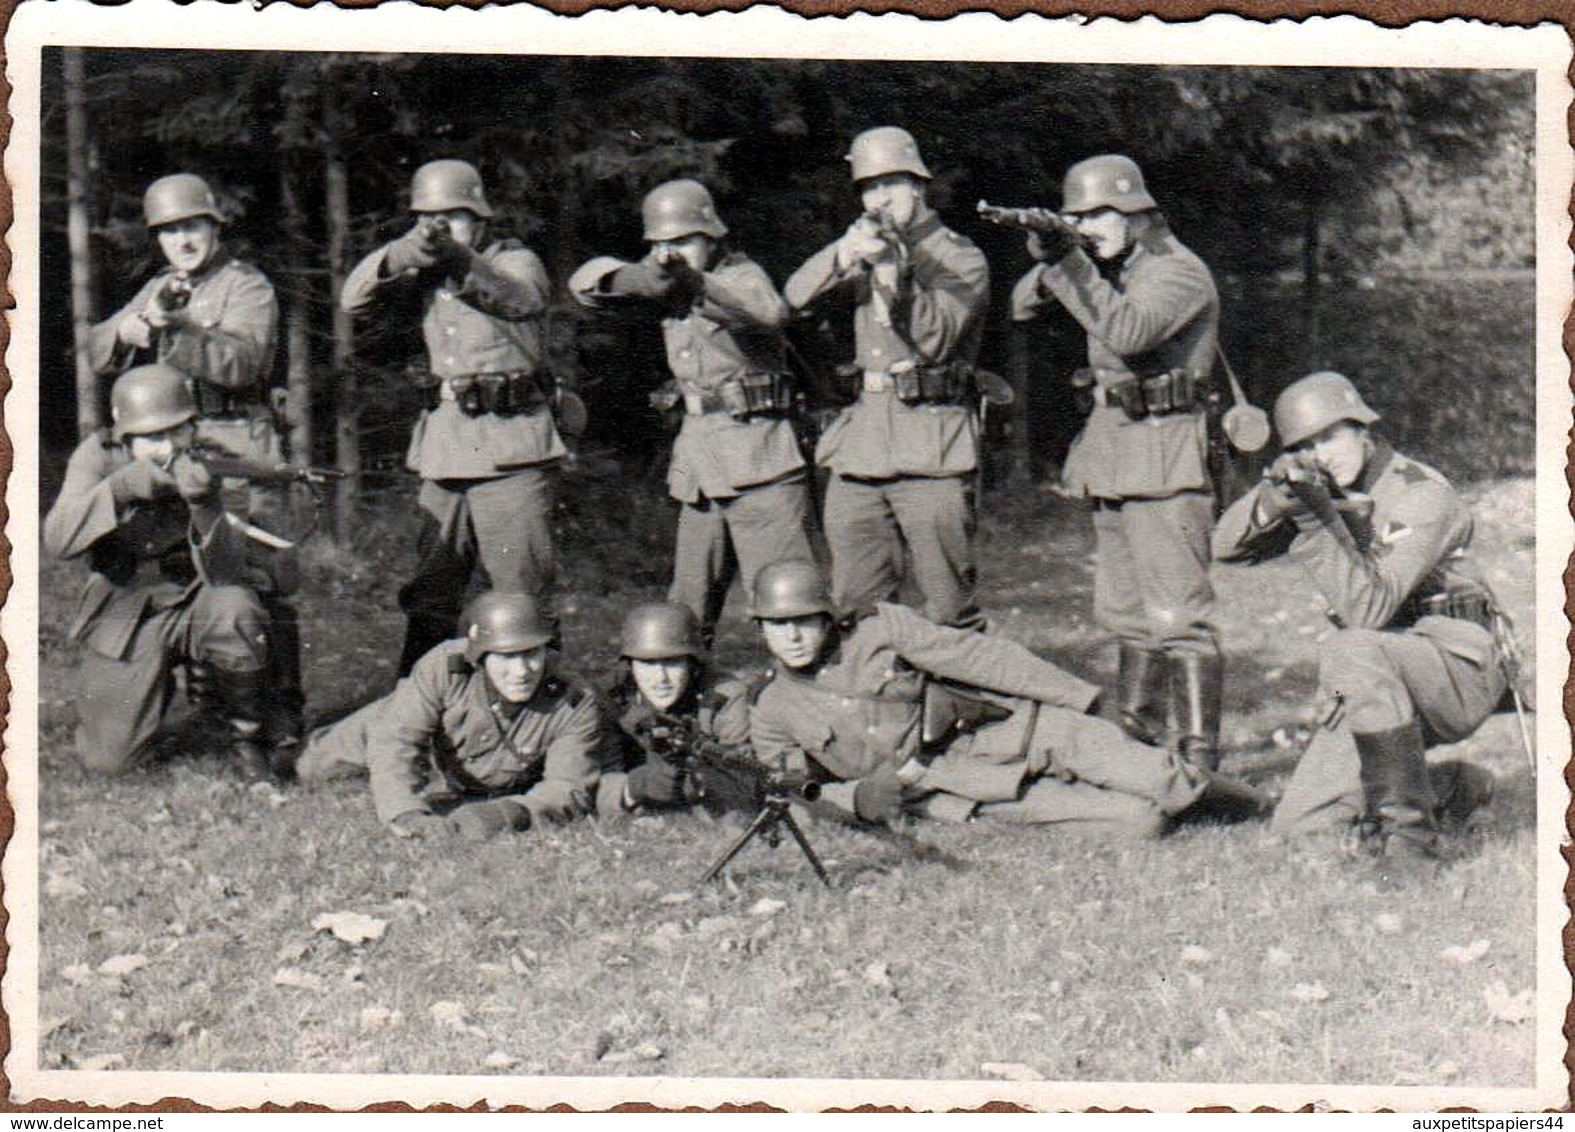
(1031, 219)
(232, 465)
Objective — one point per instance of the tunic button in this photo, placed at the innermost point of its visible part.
(876, 350)
(449, 361)
(449, 330)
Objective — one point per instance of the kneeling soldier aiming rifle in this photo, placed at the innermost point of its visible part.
(1385, 540)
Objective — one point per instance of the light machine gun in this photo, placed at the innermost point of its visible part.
(732, 776)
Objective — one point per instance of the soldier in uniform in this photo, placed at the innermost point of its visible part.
(902, 455)
(1413, 660)
(667, 699)
(486, 446)
(171, 582)
(511, 743)
(1151, 312)
(1002, 734)
(736, 470)
(215, 319)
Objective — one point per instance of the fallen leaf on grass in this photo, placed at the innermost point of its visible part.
(878, 974)
(291, 951)
(296, 978)
(1192, 953)
(63, 886)
(1278, 957)
(77, 973)
(352, 927)
(1387, 923)
(1506, 1007)
(1029, 1018)
(664, 938)
(1011, 1071)
(766, 906)
(676, 898)
(122, 964)
(497, 1059)
(646, 1052)
(103, 1061)
(1470, 953)
(713, 926)
(380, 1017)
(1310, 992)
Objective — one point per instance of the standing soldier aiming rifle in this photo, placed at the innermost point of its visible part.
(215, 319)
(173, 580)
(901, 455)
(1151, 312)
(481, 729)
(893, 713)
(736, 470)
(486, 446)
(1385, 540)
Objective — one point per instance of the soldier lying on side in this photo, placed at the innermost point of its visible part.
(1413, 662)
(511, 743)
(845, 703)
(174, 580)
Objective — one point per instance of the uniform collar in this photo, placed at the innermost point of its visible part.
(220, 259)
(925, 223)
(1377, 464)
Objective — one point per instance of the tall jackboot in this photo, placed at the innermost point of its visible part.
(422, 635)
(1195, 684)
(1140, 692)
(285, 709)
(1401, 813)
(245, 704)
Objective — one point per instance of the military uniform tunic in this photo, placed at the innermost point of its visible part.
(1047, 761)
(488, 492)
(1386, 666)
(545, 754)
(1156, 310)
(740, 482)
(168, 581)
(900, 470)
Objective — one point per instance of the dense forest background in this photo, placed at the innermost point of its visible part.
(1299, 186)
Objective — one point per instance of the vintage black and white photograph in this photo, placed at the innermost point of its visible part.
(745, 558)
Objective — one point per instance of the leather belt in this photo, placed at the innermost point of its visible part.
(878, 381)
(699, 404)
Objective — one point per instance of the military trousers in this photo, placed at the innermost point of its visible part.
(1376, 681)
(1151, 583)
(122, 701)
(500, 528)
(868, 525)
(719, 539)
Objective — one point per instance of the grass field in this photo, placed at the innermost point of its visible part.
(178, 904)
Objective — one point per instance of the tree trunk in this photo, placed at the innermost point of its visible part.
(1020, 469)
(79, 228)
(1312, 283)
(347, 404)
(297, 313)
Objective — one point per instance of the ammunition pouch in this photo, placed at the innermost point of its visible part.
(1160, 395)
(751, 395)
(510, 394)
(948, 384)
(1464, 603)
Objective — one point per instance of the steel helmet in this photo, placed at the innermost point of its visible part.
(680, 208)
(151, 398)
(179, 196)
(883, 150)
(661, 630)
(1107, 181)
(441, 185)
(1315, 402)
(504, 622)
(795, 587)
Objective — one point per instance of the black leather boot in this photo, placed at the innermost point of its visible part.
(1401, 817)
(1140, 692)
(1195, 685)
(245, 705)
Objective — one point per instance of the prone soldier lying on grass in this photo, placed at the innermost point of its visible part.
(847, 702)
(1385, 539)
(510, 743)
(174, 580)
(667, 701)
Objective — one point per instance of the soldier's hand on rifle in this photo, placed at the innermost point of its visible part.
(861, 243)
(481, 820)
(140, 480)
(877, 797)
(657, 781)
(1051, 247)
(135, 331)
(408, 253)
(688, 281)
(441, 245)
(648, 279)
(420, 824)
(193, 480)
